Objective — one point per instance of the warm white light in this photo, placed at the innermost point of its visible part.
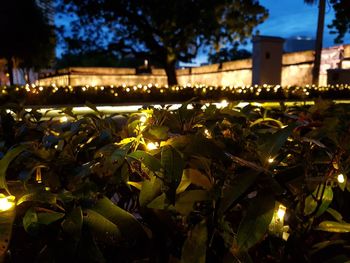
(222, 104)
(341, 178)
(63, 119)
(143, 119)
(281, 212)
(270, 160)
(207, 134)
(152, 146)
(6, 202)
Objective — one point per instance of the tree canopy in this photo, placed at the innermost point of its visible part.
(341, 22)
(27, 37)
(169, 31)
(229, 54)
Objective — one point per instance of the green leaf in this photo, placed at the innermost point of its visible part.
(338, 259)
(333, 226)
(39, 196)
(195, 246)
(271, 144)
(93, 107)
(49, 217)
(6, 222)
(173, 165)
(157, 133)
(158, 203)
(311, 203)
(324, 244)
(5, 162)
(148, 160)
(101, 227)
(255, 223)
(150, 189)
(204, 147)
(127, 224)
(73, 222)
(30, 221)
(236, 188)
(185, 202)
(337, 216)
(193, 176)
(261, 120)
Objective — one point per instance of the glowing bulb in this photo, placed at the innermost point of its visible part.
(38, 175)
(281, 212)
(63, 119)
(270, 160)
(6, 202)
(222, 104)
(207, 134)
(143, 119)
(152, 146)
(341, 178)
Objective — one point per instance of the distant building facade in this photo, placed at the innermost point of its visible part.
(296, 69)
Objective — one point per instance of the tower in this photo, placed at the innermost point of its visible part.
(267, 60)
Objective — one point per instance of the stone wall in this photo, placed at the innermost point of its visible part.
(296, 70)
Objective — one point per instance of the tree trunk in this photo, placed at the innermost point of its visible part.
(170, 70)
(10, 70)
(319, 41)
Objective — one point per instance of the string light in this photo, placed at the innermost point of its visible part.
(63, 119)
(6, 202)
(277, 223)
(281, 212)
(341, 178)
(143, 119)
(38, 175)
(152, 146)
(270, 160)
(207, 134)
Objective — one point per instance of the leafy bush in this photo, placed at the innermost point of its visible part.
(214, 185)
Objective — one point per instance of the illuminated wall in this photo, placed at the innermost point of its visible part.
(296, 70)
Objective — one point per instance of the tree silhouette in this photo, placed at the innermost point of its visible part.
(319, 38)
(169, 31)
(27, 38)
(341, 23)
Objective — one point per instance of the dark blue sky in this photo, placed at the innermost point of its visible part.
(291, 18)
(288, 18)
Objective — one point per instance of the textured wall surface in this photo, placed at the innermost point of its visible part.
(296, 70)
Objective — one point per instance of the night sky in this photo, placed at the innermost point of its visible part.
(287, 18)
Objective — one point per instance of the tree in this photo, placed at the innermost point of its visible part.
(229, 54)
(341, 23)
(169, 31)
(319, 38)
(27, 38)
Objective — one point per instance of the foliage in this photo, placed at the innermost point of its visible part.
(168, 31)
(95, 59)
(28, 38)
(229, 54)
(92, 189)
(341, 22)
